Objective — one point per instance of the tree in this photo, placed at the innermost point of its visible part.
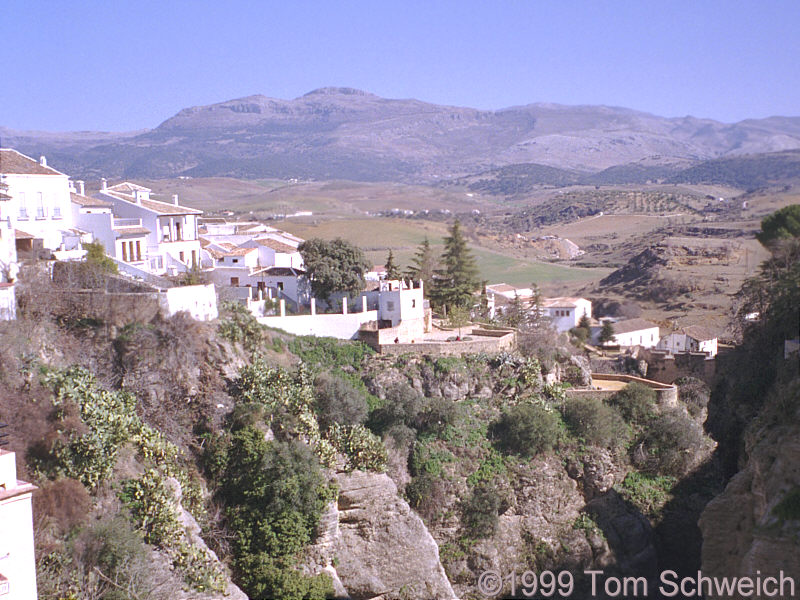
(783, 224)
(584, 323)
(606, 333)
(458, 317)
(334, 266)
(423, 265)
(392, 272)
(97, 257)
(458, 279)
(527, 430)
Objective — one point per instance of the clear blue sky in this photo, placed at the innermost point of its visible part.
(122, 65)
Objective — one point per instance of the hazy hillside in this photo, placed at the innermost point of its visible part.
(349, 134)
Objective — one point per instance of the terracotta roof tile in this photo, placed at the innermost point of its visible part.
(16, 163)
(276, 245)
(630, 325)
(88, 202)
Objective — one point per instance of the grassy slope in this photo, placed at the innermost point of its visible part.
(402, 236)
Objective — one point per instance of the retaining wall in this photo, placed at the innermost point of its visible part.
(666, 394)
(340, 326)
(489, 345)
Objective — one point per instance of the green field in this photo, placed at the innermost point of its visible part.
(377, 236)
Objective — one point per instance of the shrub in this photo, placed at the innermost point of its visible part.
(694, 393)
(481, 511)
(646, 492)
(635, 402)
(672, 443)
(274, 494)
(338, 402)
(401, 406)
(326, 352)
(426, 494)
(527, 430)
(240, 326)
(596, 423)
(362, 449)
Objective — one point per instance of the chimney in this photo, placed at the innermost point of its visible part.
(81, 188)
(103, 184)
(138, 196)
(175, 199)
(43, 160)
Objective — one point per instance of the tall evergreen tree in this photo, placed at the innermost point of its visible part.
(423, 265)
(392, 272)
(456, 281)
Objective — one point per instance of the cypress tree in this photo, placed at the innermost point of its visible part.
(423, 265)
(392, 272)
(458, 279)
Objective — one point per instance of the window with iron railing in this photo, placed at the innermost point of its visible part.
(23, 212)
(56, 212)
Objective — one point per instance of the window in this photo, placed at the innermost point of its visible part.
(23, 212)
(138, 250)
(124, 252)
(390, 305)
(280, 285)
(234, 260)
(41, 213)
(413, 303)
(56, 212)
(165, 233)
(178, 232)
(194, 259)
(234, 281)
(180, 256)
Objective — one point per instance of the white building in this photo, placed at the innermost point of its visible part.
(630, 332)
(8, 260)
(17, 560)
(38, 198)
(500, 295)
(166, 232)
(690, 339)
(565, 313)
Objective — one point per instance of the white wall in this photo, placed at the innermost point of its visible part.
(16, 533)
(200, 301)
(8, 302)
(54, 189)
(340, 326)
(647, 338)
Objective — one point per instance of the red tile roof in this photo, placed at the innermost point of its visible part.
(88, 202)
(276, 245)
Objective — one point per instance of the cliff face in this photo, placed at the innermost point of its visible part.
(755, 523)
(374, 546)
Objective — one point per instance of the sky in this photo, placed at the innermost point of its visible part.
(129, 65)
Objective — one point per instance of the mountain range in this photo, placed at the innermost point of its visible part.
(343, 133)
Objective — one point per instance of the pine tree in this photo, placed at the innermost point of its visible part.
(458, 279)
(607, 333)
(392, 272)
(423, 265)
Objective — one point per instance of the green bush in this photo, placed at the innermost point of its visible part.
(362, 449)
(480, 512)
(646, 492)
(274, 495)
(527, 430)
(325, 352)
(635, 402)
(338, 402)
(426, 494)
(238, 324)
(595, 423)
(672, 442)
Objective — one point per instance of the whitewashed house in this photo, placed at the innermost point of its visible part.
(565, 313)
(500, 295)
(8, 260)
(690, 339)
(38, 197)
(170, 241)
(274, 252)
(17, 560)
(630, 332)
(286, 282)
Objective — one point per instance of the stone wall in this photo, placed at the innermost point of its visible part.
(666, 395)
(489, 345)
(666, 368)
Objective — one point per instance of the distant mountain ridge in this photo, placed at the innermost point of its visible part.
(344, 133)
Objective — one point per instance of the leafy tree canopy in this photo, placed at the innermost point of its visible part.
(334, 266)
(780, 225)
